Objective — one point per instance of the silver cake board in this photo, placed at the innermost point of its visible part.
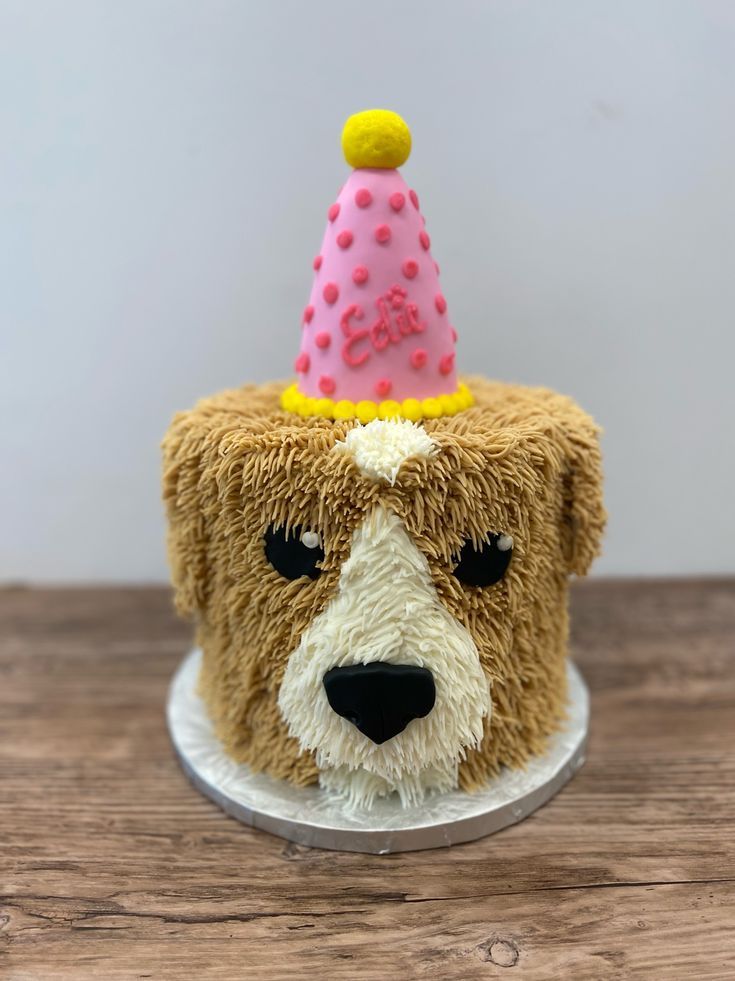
(318, 818)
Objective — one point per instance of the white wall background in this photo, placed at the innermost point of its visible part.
(164, 172)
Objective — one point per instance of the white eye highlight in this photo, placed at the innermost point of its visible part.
(311, 539)
(504, 542)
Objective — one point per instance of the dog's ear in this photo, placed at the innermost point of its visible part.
(583, 512)
(187, 527)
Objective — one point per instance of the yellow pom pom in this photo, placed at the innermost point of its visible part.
(324, 407)
(431, 408)
(449, 404)
(366, 411)
(465, 396)
(376, 138)
(344, 409)
(411, 409)
(289, 398)
(389, 409)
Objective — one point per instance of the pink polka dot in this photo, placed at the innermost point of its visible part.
(326, 384)
(360, 275)
(301, 364)
(345, 239)
(383, 387)
(322, 339)
(425, 240)
(410, 267)
(308, 314)
(317, 262)
(454, 334)
(440, 303)
(382, 234)
(331, 293)
(363, 198)
(446, 363)
(397, 201)
(414, 199)
(419, 357)
(333, 211)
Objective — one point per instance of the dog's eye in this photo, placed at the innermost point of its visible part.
(487, 564)
(294, 553)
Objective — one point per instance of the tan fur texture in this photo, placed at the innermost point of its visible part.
(525, 462)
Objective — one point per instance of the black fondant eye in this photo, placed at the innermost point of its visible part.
(294, 553)
(487, 564)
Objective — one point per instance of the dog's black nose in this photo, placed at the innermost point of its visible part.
(380, 699)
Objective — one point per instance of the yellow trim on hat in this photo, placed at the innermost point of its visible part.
(292, 400)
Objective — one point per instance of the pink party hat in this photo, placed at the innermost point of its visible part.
(376, 337)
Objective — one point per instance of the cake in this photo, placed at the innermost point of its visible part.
(377, 555)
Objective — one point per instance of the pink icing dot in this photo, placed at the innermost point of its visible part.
(308, 314)
(331, 293)
(333, 211)
(322, 339)
(326, 384)
(425, 240)
(419, 357)
(397, 201)
(383, 387)
(414, 199)
(301, 364)
(454, 334)
(360, 275)
(345, 239)
(317, 262)
(363, 198)
(382, 234)
(446, 363)
(410, 267)
(440, 303)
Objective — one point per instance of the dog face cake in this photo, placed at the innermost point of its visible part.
(377, 556)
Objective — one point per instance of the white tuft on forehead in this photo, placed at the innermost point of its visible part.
(383, 445)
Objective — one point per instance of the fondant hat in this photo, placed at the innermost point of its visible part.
(376, 339)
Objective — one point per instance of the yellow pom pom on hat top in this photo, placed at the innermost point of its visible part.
(376, 138)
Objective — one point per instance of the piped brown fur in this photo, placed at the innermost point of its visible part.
(522, 461)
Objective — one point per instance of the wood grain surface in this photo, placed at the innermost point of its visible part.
(113, 867)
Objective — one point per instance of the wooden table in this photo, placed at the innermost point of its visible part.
(112, 866)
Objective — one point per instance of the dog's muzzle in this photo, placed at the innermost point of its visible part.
(380, 699)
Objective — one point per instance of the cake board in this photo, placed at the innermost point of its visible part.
(316, 818)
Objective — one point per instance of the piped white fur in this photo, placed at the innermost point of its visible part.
(386, 609)
(380, 447)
